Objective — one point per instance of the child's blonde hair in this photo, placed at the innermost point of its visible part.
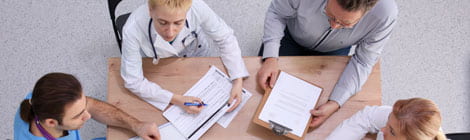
(418, 118)
(172, 4)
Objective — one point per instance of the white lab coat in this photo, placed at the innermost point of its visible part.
(369, 120)
(211, 30)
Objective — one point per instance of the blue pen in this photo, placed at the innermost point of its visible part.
(194, 104)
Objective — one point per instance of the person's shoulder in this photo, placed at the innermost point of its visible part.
(197, 3)
(385, 9)
(199, 7)
(74, 135)
(140, 12)
(21, 128)
(137, 19)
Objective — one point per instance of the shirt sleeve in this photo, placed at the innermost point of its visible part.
(275, 23)
(359, 67)
(131, 69)
(223, 37)
(369, 120)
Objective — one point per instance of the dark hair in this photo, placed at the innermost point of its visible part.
(51, 94)
(355, 5)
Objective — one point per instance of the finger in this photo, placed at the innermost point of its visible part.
(196, 99)
(231, 108)
(262, 80)
(316, 112)
(237, 101)
(235, 105)
(273, 79)
(155, 134)
(230, 100)
(153, 131)
(197, 109)
(192, 109)
(148, 138)
(316, 121)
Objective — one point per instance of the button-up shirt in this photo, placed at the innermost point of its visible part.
(307, 23)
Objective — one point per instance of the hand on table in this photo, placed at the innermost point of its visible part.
(267, 75)
(235, 93)
(147, 130)
(323, 112)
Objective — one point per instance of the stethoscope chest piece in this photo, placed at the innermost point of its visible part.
(155, 60)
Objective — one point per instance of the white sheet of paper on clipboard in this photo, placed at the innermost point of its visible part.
(290, 102)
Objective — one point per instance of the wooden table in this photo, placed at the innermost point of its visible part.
(179, 74)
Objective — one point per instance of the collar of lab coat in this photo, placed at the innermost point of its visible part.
(164, 48)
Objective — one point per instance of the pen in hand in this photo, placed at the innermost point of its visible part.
(194, 104)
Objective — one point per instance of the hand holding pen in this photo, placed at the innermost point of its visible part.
(190, 104)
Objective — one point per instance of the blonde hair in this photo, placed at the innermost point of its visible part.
(418, 118)
(172, 4)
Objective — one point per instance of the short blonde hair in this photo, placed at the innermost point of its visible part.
(418, 118)
(172, 4)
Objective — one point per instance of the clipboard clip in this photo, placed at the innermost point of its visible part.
(278, 129)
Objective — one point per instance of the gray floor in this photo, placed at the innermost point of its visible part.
(428, 55)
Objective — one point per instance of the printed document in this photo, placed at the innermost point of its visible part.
(290, 102)
(213, 89)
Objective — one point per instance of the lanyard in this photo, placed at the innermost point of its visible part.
(42, 130)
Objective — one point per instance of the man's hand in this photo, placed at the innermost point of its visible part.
(323, 112)
(267, 75)
(146, 130)
(179, 100)
(236, 94)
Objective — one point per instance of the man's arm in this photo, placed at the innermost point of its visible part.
(357, 70)
(360, 66)
(110, 115)
(275, 23)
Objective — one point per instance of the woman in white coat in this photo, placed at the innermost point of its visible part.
(411, 119)
(176, 28)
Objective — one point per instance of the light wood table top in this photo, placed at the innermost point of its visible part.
(179, 74)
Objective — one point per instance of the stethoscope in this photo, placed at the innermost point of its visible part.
(156, 58)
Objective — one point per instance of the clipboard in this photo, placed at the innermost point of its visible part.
(277, 128)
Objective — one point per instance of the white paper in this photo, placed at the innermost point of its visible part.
(213, 89)
(167, 132)
(290, 102)
(228, 117)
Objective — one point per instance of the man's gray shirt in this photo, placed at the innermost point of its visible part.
(307, 23)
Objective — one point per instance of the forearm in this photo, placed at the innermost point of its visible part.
(237, 83)
(368, 120)
(232, 58)
(110, 115)
(351, 81)
(134, 80)
(358, 69)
